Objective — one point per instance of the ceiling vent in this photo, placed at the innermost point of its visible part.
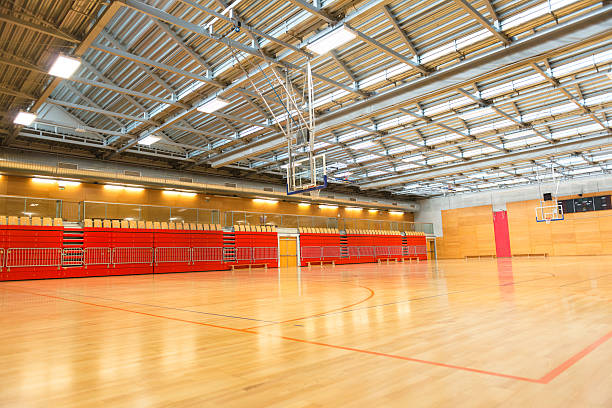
(186, 179)
(131, 173)
(393, 203)
(71, 166)
(231, 185)
(269, 189)
(353, 199)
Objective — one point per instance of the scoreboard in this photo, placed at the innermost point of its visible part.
(584, 204)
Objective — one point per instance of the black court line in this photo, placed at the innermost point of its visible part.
(585, 280)
(420, 298)
(166, 307)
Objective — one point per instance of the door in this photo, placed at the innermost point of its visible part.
(431, 249)
(288, 252)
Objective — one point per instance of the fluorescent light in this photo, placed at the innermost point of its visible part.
(213, 105)
(64, 66)
(328, 207)
(354, 209)
(333, 39)
(372, 211)
(29, 214)
(115, 187)
(149, 140)
(265, 201)
(181, 193)
(187, 194)
(64, 183)
(170, 192)
(396, 212)
(134, 189)
(24, 118)
(61, 183)
(476, 113)
(303, 204)
(43, 180)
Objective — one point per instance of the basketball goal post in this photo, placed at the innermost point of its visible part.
(549, 210)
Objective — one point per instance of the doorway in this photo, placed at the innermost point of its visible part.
(288, 252)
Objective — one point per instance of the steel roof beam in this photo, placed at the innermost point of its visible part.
(383, 48)
(181, 43)
(323, 15)
(109, 37)
(557, 85)
(451, 130)
(565, 147)
(519, 53)
(99, 25)
(155, 64)
(399, 31)
(483, 21)
(520, 123)
(33, 26)
(229, 20)
(342, 65)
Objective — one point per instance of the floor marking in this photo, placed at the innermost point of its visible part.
(169, 307)
(322, 313)
(551, 375)
(555, 372)
(585, 280)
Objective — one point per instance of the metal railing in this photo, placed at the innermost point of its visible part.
(265, 253)
(132, 255)
(296, 221)
(72, 256)
(206, 254)
(327, 252)
(172, 254)
(97, 256)
(147, 212)
(33, 257)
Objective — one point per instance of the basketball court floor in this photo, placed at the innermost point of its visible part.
(477, 333)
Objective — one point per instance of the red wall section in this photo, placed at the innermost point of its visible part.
(502, 234)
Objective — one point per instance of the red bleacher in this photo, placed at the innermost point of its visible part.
(41, 252)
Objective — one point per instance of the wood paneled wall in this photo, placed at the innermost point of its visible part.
(588, 233)
(24, 186)
(467, 231)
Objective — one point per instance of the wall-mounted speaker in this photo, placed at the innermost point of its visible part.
(547, 196)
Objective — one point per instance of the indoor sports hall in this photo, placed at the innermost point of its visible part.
(305, 203)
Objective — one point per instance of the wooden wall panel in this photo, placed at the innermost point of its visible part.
(467, 231)
(588, 233)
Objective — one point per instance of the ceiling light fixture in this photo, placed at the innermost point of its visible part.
(265, 201)
(331, 40)
(149, 140)
(24, 118)
(328, 207)
(213, 105)
(64, 66)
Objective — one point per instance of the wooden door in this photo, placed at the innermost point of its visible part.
(288, 252)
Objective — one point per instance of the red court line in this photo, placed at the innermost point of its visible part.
(555, 372)
(544, 380)
(321, 313)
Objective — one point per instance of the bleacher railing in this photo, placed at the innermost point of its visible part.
(97, 256)
(172, 254)
(132, 255)
(296, 221)
(206, 254)
(327, 252)
(33, 257)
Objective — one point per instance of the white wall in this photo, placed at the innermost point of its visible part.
(431, 209)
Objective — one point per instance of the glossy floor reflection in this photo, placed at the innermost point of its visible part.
(524, 332)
